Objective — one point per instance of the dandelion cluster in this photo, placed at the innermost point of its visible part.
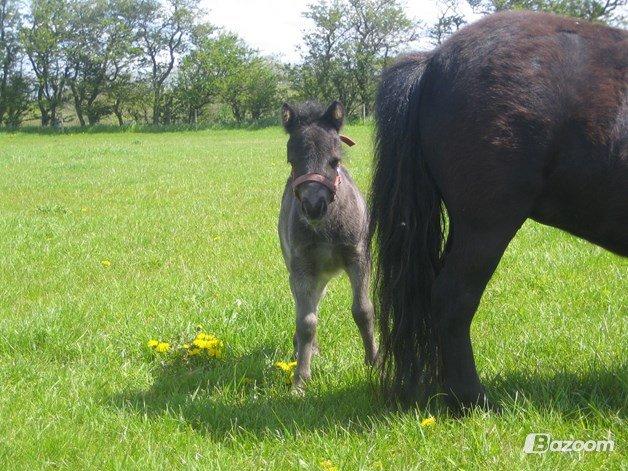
(428, 422)
(203, 345)
(287, 368)
(328, 465)
(159, 347)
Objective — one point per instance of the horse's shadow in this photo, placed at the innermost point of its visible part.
(571, 394)
(246, 394)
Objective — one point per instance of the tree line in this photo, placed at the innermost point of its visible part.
(158, 62)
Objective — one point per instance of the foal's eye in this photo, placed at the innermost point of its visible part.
(334, 162)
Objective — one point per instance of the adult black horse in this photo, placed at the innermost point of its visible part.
(519, 115)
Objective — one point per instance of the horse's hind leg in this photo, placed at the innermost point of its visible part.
(307, 291)
(456, 293)
(362, 308)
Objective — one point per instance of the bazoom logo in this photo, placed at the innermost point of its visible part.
(543, 442)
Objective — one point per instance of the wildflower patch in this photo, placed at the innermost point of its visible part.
(203, 345)
(287, 367)
(428, 422)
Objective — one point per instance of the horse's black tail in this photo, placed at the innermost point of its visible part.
(407, 226)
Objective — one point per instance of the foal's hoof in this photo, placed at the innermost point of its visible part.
(371, 360)
(297, 390)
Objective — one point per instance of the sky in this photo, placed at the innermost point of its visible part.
(275, 27)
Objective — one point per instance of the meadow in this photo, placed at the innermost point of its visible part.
(108, 240)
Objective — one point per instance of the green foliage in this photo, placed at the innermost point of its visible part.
(223, 69)
(450, 19)
(158, 62)
(15, 100)
(348, 44)
(100, 46)
(163, 30)
(607, 11)
(14, 85)
(46, 42)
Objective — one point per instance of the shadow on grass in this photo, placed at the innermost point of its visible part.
(247, 395)
(567, 393)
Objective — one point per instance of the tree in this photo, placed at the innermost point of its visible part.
(224, 69)
(163, 32)
(99, 49)
(349, 43)
(261, 88)
(45, 41)
(450, 19)
(607, 11)
(128, 98)
(381, 28)
(231, 60)
(197, 78)
(325, 72)
(16, 99)
(11, 80)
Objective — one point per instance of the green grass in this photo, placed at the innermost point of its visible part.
(188, 220)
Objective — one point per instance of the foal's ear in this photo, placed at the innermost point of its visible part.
(288, 117)
(335, 115)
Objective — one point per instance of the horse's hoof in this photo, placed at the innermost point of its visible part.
(297, 390)
(462, 406)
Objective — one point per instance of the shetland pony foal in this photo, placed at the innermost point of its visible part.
(517, 116)
(323, 227)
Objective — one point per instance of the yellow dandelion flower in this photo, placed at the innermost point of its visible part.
(428, 422)
(105, 263)
(286, 367)
(162, 347)
(153, 343)
(327, 465)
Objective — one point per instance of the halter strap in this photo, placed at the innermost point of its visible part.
(322, 179)
(318, 178)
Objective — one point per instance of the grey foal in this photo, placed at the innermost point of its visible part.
(323, 227)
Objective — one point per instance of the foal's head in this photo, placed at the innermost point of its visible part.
(314, 154)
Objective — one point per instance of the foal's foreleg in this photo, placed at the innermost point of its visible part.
(362, 308)
(307, 292)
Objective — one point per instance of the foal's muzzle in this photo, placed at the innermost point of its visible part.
(315, 199)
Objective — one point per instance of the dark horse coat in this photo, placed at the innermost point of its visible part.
(520, 115)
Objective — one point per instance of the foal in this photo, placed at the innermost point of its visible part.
(323, 227)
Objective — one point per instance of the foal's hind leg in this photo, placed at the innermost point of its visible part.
(362, 308)
(307, 291)
(456, 293)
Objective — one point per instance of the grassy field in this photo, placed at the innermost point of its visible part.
(187, 223)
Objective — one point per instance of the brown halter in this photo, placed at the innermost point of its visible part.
(322, 179)
(318, 178)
